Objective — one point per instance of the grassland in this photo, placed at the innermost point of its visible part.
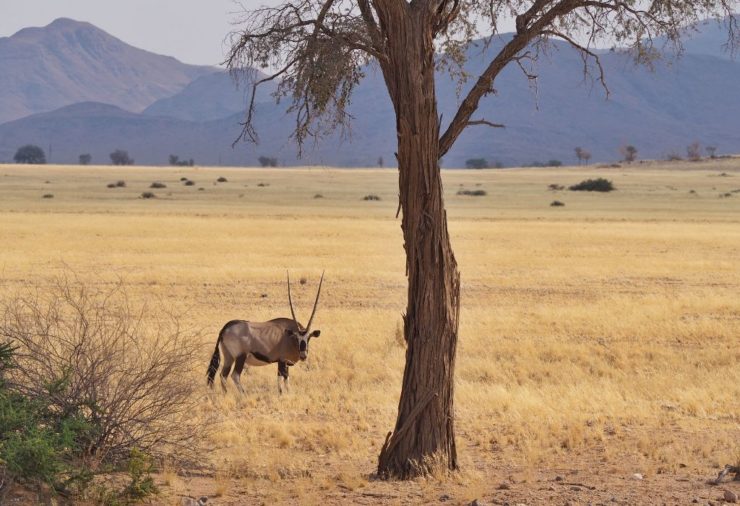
(597, 340)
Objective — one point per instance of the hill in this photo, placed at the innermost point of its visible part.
(659, 110)
(69, 61)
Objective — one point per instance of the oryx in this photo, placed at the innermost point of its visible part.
(282, 340)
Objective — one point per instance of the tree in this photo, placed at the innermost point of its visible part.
(319, 50)
(476, 163)
(693, 151)
(582, 155)
(30, 153)
(711, 151)
(380, 162)
(267, 161)
(120, 157)
(85, 159)
(629, 153)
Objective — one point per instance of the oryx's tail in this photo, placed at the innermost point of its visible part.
(216, 358)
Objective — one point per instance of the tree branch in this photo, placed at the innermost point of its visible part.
(485, 122)
(584, 52)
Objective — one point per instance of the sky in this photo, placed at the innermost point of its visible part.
(192, 31)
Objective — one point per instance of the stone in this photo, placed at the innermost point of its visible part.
(730, 496)
(637, 476)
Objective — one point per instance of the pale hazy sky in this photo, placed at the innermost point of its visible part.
(190, 30)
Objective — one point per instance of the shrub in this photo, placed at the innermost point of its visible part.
(48, 196)
(30, 153)
(554, 163)
(183, 179)
(85, 159)
(557, 203)
(222, 180)
(201, 189)
(121, 184)
(593, 185)
(555, 187)
(111, 185)
(157, 184)
(673, 157)
(148, 195)
(116, 369)
(189, 182)
(318, 196)
(262, 185)
(371, 197)
(472, 193)
(267, 161)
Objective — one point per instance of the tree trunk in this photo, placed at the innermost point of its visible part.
(424, 433)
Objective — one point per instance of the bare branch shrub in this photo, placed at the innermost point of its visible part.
(123, 367)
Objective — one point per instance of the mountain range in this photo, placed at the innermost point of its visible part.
(80, 90)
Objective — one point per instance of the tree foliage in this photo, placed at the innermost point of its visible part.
(321, 48)
(30, 154)
(120, 157)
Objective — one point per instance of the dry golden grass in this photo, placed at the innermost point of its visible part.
(600, 338)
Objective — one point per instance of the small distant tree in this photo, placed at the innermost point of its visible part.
(476, 163)
(582, 155)
(380, 162)
(711, 151)
(85, 159)
(120, 157)
(693, 151)
(554, 163)
(629, 153)
(30, 153)
(174, 160)
(267, 161)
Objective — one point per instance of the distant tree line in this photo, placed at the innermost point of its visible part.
(175, 160)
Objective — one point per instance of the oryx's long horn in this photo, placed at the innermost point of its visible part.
(315, 304)
(290, 300)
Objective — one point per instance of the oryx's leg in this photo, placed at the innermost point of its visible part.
(228, 361)
(283, 373)
(238, 368)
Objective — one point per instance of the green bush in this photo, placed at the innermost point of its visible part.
(593, 185)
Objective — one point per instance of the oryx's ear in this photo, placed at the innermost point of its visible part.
(316, 333)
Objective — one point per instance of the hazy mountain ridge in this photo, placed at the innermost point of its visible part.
(69, 61)
(660, 112)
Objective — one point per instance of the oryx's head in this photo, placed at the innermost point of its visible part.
(303, 335)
